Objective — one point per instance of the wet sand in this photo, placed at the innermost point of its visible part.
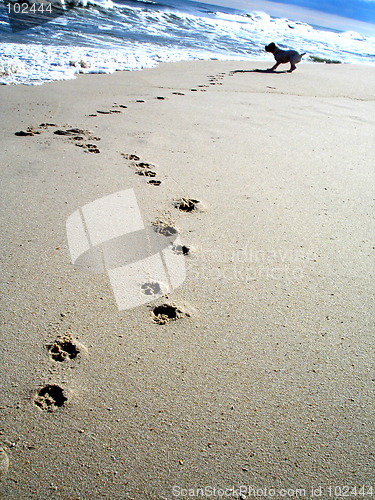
(257, 370)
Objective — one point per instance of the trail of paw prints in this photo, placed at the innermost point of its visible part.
(142, 169)
(216, 79)
(184, 204)
(118, 108)
(77, 135)
(158, 98)
(34, 130)
(64, 351)
(138, 101)
(212, 80)
(115, 109)
(166, 312)
(166, 227)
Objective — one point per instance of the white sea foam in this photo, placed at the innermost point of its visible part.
(40, 64)
(104, 4)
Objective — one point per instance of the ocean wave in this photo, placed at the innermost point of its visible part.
(103, 4)
(105, 36)
(41, 64)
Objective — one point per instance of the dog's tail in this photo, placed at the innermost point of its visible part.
(303, 54)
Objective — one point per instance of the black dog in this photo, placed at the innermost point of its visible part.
(284, 56)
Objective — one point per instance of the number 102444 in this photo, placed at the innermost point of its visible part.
(26, 8)
(350, 491)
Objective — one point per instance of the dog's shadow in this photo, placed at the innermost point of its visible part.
(259, 71)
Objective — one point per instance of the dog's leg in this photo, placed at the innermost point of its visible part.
(292, 67)
(274, 67)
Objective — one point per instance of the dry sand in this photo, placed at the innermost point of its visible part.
(267, 381)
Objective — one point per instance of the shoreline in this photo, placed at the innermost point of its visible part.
(263, 375)
(309, 59)
(264, 60)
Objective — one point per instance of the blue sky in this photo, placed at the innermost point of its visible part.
(362, 10)
(357, 15)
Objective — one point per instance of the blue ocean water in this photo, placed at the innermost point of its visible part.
(104, 36)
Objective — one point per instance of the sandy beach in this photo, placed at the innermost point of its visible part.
(256, 379)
